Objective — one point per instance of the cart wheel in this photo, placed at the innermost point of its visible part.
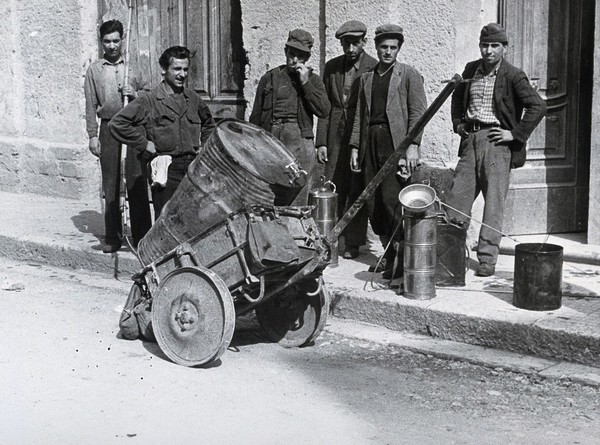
(193, 316)
(293, 318)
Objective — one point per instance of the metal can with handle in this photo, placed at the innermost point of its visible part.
(324, 202)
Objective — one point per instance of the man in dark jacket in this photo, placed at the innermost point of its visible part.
(391, 100)
(494, 114)
(341, 79)
(169, 122)
(286, 100)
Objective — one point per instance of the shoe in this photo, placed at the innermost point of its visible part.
(485, 270)
(351, 252)
(390, 274)
(378, 267)
(111, 248)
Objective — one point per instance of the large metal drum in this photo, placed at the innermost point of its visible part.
(420, 239)
(240, 165)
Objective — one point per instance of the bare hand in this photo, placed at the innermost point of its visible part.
(129, 91)
(354, 161)
(412, 158)
(498, 135)
(322, 154)
(151, 148)
(95, 146)
(461, 130)
(303, 72)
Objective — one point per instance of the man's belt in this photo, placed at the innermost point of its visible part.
(474, 126)
(285, 120)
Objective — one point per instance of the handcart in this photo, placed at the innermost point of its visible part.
(212, 255)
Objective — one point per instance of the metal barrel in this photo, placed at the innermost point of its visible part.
(240, 165)
(420, 238)
(538, 276)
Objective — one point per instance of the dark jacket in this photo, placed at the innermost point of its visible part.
(312, 101)
(406, 103)
(154, 117)
(513, 94)
(333, 78)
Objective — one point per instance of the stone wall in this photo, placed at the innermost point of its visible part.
(48, 45)
(43, 145)
(594, 199)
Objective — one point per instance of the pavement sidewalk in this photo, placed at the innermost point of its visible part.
(67, 233)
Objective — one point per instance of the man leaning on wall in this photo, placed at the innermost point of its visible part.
(104, 91)
(494, 114)
(341, 78)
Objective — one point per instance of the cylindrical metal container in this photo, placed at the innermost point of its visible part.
(324, 200)
(419, 256)
(451, 258)
(538, 276)
(240, 165)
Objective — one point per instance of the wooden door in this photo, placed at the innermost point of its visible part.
(211, 29)
(552, 41)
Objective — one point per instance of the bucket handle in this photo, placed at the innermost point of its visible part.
(294, 172)
(333, 188)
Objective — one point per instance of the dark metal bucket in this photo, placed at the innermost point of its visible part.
(451, 264)
(240, 165)
(538, 276)
(419, 256)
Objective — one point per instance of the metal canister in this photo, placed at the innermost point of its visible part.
(324, 200)
(420, 239)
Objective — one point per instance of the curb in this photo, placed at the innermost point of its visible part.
(450, 350)
(120, 264)
(475, 318)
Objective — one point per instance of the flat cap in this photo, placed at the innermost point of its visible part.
(300, 39)
(493, 32)
(389, 31)
(351, 28)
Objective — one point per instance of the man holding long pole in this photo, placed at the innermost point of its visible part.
(105, 89)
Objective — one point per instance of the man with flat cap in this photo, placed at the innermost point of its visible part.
(391, 100)
(341, 77)
(494, 114)
(287, 99)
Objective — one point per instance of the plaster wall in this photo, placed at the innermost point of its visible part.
(440, 37)
(266, 25)
(43, 146)
(48, 45)
(594, 196)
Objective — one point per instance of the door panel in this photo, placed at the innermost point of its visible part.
(211, 29)
(546, 40)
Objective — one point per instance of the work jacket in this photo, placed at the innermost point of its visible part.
(333, 78)
(513, 94)
(156, 116)
(312, 101)
(406, 103)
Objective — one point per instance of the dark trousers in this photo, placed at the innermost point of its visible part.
(483, 167)
(176, 173)
(137, 189)
(385, 211)
(349, 186)
(303, 149)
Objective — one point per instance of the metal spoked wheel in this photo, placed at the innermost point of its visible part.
(297, 315)
(193, 316)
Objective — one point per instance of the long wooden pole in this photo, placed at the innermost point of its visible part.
(390, 166)
(123, 203)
